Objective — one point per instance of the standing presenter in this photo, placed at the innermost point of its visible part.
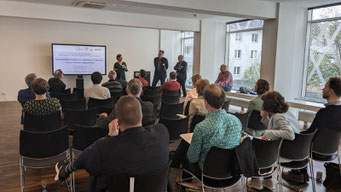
(161, 66)
(120, 66)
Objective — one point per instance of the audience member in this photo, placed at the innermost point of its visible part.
(225, 78)
(142, 74)
(120, 80)
(219, 129)
(262, 86)
(325, 118)
(161, 66)
(192, 94)
(197, 106)
(56, 84)
(134, 89)
(113, 85)
(135, 151)
(172, 84)
(96, 91)
(120, 66)
(41, 105)
(181, 73)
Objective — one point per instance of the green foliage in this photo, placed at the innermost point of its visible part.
(252, 74)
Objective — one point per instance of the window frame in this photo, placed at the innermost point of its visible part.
(183, 39)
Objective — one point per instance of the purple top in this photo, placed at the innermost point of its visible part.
(225, 78)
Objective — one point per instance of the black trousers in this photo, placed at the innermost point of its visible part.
(183, 85)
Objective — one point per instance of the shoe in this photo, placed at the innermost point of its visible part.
(255, 183)
(61, 171)
(269, 184)
(294, 178)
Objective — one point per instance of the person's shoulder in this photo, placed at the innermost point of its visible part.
(158, 129)
(147, 103)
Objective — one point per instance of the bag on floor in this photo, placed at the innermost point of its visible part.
(333, 177)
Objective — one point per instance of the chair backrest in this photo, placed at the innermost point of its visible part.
(79, 104)
(175, 127)
(42, 123)
(151, 183)
(170, 99)
(80, 92)
(67, 91)
(169, 110)
(115, 96)
(94, 103)
(297, 149)
(151, 91)
(43, 144)
(226, 105)
(187, 108)
(243, 118)
(170, 92)
(66, 96)
(254, 121)
(266, 151)
(84, 136)
(326, 141)
(196, 119)
(152, 88)
(84, 117)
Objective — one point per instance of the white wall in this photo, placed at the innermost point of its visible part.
(26, 47)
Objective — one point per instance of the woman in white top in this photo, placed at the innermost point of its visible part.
(197, 106)
(192, 94)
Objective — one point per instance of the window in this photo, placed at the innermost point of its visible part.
(236, 70)
(238, 37)
(323, 49)
(253, 54)
(243, 57)
(237, 54)
(187, 44)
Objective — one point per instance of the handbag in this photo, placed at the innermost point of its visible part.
(333, 177)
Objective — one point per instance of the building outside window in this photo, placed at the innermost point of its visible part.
(243, 57)
(238, 36)
(187, 45)
(323, 50)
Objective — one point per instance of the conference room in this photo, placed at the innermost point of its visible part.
(171, 66)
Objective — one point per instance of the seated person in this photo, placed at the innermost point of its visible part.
(96, 91)
(192, 94)
(41, 105)
(120, 80)
(225, 79)
(56, 84)
(134, 89)
(172, 84)
(197, 106)
(219, 129)
(113, 85)
(136, 150)
(261, 87)
(142, 74)
(325, 118)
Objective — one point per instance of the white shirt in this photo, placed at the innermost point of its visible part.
(197, 107)
(96, 91)
(192, 94)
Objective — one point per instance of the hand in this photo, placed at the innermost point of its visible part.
(113, 128)
(263, 137)
(104, 114)
(264, 114)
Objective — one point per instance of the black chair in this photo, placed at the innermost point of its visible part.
(85, 117)
(151, 183)
(171, 92)
(296, 152)
(115, 96)
(67, 91)
(187, 108)
(154, 99)
(243, 118)
(175, 127)
(66, 96)
(254, 122)
(84, 136)
(151, 91)
(94, 103)
(80, 92)
(79, 104)
(42, 123)
(196, 119)
(42, 150)
(170, 99)
(226, 105)
(169, 110)
(325, 148)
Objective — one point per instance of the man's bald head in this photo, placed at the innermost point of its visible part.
(128, 111)
(215, 96)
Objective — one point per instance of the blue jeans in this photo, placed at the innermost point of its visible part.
(226, 87)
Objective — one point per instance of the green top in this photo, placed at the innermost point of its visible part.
(117, 66)
(255, 104)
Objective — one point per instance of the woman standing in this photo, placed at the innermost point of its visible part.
(120, 66)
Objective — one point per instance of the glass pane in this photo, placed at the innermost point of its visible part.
(324, 56)
(251, 24)
(326, 12)
(187, 52)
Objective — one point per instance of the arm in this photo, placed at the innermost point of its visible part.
(191, 112)
(103, 121)
(184, 69)
(125, 66)
(194, 150)
(218, 79)
(166, 63)
(176, 66)
(284, 130)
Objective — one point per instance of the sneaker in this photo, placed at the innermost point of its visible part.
(269, 184)
(294, 178)
(255, 183)
(61, 172)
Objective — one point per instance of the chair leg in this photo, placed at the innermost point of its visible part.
(312, 174)
(21, 175)
(338, 158)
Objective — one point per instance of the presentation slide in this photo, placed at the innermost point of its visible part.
(79, 59)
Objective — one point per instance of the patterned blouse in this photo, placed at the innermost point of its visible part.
(219, 129)
(42, 107)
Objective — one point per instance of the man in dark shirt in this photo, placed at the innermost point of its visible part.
(161, 66)
(326, 118)
(136, 150)
(55, 83)
(181, 73)
(113, 85)
(134, 89)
